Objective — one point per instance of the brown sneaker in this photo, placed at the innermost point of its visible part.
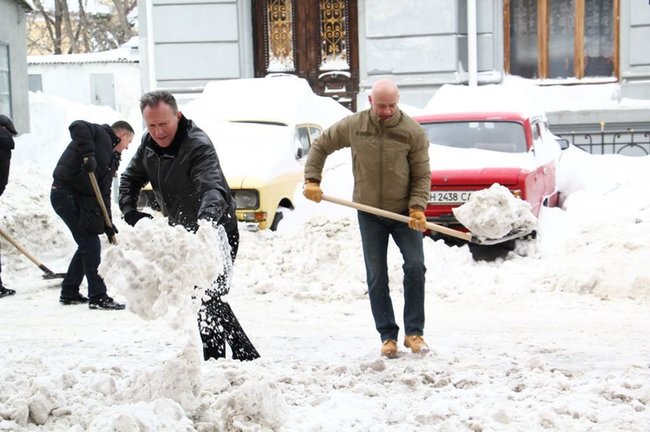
(416, 343)
(389, 348)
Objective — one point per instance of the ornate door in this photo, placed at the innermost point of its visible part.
(313, 39)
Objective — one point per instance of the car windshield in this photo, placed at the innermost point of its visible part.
(501, 136)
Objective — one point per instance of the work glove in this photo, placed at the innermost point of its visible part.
(89, 162)
(210, 215)
(418, 219)
(110, 231)
(312, 191)
(132, 217)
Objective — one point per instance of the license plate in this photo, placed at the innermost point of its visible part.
(449, 197)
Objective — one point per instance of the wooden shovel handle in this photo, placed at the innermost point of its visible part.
(398, 217)
(22, 250)
(100, 201)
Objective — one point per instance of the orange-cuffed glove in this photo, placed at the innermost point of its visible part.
(312, 191)
(418, 219)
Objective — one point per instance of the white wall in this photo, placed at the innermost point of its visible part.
(13, 34)
(72, 81)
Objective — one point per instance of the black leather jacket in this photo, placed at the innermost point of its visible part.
(186, 178)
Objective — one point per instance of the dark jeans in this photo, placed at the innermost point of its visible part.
(375, 232)
(217, 321)
(87, 257)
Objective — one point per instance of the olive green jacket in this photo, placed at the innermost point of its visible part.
(390, 159)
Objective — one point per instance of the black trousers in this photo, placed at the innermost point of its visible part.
(217, 321)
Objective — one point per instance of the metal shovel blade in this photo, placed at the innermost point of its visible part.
(512, 235)
(54, 276)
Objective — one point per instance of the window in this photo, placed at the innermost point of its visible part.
(5, 84)
(499, 136)
(561, 38)
(35, 82)
(302, 142)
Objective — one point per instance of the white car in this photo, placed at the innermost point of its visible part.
(263, 129)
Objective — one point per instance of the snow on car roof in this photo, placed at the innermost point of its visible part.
(487, 98)
(282, 99)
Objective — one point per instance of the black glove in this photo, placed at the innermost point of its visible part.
(212, 215)
(134, 216)
(110, 231)
(89, 162)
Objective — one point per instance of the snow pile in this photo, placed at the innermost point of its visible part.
(50, 118)
(159, 415)
(302, 260)
(163, 272)
(26, 215)
(523, 343)
(158, 268)
(494, 212)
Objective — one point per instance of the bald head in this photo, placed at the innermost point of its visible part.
(383, 98)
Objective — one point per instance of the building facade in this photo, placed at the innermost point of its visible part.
(14, 101)
(342, 46)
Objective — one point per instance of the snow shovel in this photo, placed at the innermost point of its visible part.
(469, 237)
(107, 220)
(49, 274)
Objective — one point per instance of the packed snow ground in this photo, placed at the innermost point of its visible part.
(553, 337)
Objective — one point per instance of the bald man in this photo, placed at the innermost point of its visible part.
(390, 163)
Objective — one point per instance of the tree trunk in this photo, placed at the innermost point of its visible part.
(120, 8)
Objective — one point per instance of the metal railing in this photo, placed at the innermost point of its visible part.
(628, 142)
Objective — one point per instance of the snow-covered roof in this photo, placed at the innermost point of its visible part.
(27, 5)
(127, 53)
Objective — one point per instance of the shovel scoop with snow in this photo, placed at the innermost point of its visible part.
(488, 228)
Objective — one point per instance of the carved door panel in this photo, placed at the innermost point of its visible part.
(313, 39)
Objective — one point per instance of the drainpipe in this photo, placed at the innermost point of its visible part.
(151, 65)
(471, 43)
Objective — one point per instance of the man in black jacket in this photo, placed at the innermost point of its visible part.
(94, 149)
(180, 162)
(7, 132)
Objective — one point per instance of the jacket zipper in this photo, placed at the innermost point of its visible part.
(381, 164)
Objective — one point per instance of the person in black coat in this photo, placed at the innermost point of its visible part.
(7, 132)
(181, 163)
(95, 149)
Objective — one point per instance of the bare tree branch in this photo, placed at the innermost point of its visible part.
(63, 29)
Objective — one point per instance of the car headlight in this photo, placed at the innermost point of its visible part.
(246, 198)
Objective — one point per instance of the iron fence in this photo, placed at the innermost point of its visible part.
(629, 142)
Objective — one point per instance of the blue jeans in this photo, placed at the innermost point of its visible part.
(86, 259)
(375, 232)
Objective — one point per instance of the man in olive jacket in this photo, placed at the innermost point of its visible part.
(181, 163)
(390, 163)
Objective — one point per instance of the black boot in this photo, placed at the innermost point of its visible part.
(4, 292)
(74, 299)
(105, 303)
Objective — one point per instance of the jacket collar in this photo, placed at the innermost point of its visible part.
(391, 122)
(109, 130)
